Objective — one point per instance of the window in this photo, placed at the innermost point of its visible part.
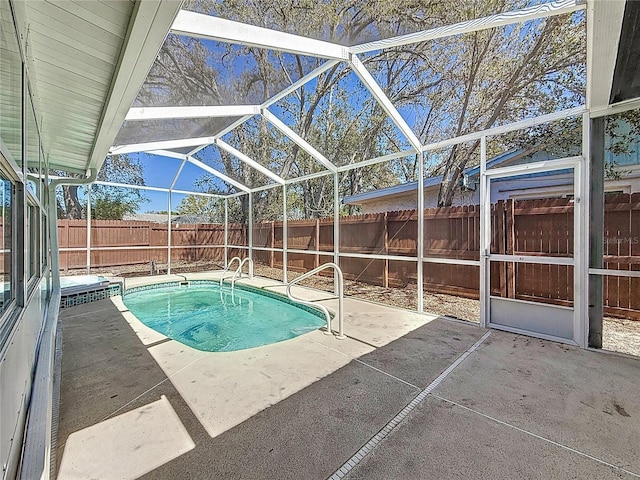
(44, 249)
(33, 247)
(6, 257)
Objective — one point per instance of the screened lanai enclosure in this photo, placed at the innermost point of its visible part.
(483, 154)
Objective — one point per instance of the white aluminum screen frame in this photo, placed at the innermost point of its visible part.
(577, 260)
(189, 23)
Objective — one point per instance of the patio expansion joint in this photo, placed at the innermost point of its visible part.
(168, 378)
(352, 462)
(357, 360)
(535, 435)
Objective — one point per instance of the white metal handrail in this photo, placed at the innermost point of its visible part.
(339, 293)
(229, 267)
(238, 272)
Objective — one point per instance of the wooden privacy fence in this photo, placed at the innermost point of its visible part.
(529, 227)
(120, 243)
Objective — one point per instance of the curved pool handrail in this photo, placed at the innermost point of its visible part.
(228, 267)
(339, 292)
(239, 272)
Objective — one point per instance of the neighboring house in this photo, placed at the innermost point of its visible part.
(552, 184)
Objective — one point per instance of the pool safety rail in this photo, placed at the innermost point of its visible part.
(238, 272)
(228, 267)
(339, 291)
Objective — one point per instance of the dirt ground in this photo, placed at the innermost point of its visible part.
(619, 335)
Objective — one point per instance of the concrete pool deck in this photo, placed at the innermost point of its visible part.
(140, 405)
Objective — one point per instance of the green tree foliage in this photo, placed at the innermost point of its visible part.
(209, 208)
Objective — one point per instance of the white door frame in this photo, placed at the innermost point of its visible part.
(579, 251)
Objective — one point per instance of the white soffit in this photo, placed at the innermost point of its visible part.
(86, 61)
(604, 22)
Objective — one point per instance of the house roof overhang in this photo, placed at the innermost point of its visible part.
(86, 62)
(613, 56)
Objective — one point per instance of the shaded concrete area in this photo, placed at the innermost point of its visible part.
(96, 340)
(514, 408)
(442, 441)
(422, 354)
(106, 371)
(520, 407)
(307, 435)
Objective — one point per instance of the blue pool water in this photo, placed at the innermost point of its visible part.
(201, 317)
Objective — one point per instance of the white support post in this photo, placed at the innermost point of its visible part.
(222, 133)
(420, 243)
(301, 142)
(300, 82)
(226, 231)
(475, 25)
(485, 236)
(376, 160)
(336, 228)
(285, 234)
(153, 147)
(89, 229)
(250, 233)
(509, 127)
(177, 175)
(581, 239)
(377, 92)
(168, 154)
(169, 233)
(252, 163)
(308, 177)
(215, 28)
(198, 194)
(218, 174)
(162, 113)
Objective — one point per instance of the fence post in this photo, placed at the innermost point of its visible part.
(510, 247)
(272, 244)
(385, 235)
(285, 234)
(316, 262)
(88, 229)
(501, 234)
(68, 237)
(197, 252)
(226, 230)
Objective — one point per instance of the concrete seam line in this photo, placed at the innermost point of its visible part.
(366, 364)
(387, 374)
(535, 435)
(151, 388)
(347, 466)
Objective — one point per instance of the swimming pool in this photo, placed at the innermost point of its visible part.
(206, 318)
